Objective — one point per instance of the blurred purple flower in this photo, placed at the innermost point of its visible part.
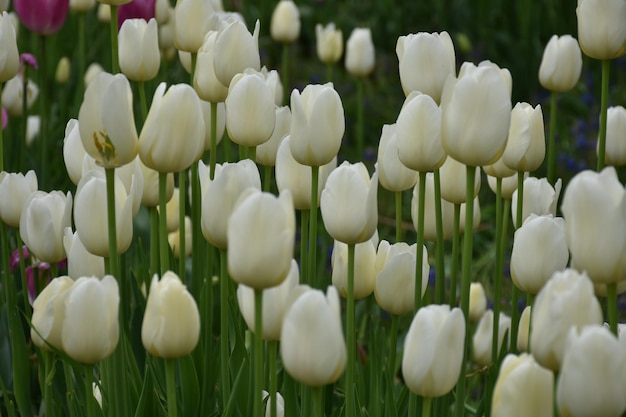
(14, 261)
(44, 17)
(38, 276)
(28, 59)
(136, 9)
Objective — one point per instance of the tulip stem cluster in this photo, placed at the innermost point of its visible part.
(273, 353)
(350, 334)
(115, 65)
(419, 251)
(170, 382)
(519, 216)
(312, 250)
(258, 352)
(612, 306)
(398, 206)
(604, 103)
(90, 400)
(551, 134)
(224, 356)
(456, 240)
(163, 243)
(440, 273)
(182, 186)
(213, 149)
(318, 401)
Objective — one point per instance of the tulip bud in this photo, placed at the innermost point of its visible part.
(428, 370)
(453, 181)
(48, 313)
(266, 152)
(15, 190)
(205, 81)
(601, 30)
(312, 347)
(63, 71)
(360, 54)
(171, 323)
(615, 151)
(82, 6)
(499, 170)
(509, 186)
(92, 72)
(523, 388)
(235, 50)
(329, 43)
(13, 95)
(10, 60)
(364, 268)
(478, 301)
(191, 23)
(139, 54)
(561, 64)
(285, 23)
(104, 13)
(90, 324)
(348, 203)
(567, 300)
(482, 346)
(392, 174)
(523, 330)
(80, 262)
(526, 145)
(540, 198)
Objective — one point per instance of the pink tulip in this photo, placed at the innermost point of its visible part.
(44, 17)
(136, 9)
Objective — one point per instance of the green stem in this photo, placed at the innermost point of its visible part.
(604, 104)
(194, 58)
(54, 270)
(412, 405)
(48, 398)
(213, 149)
(163, 244)
(43, 97)
(318, 401)
(350, 334)
(398, 203)
(329, 73)
(273, 352)
(313, 225)
(497, 292)
(112, 223)
(224, 351)
(465, 280)
(304, 236)
(393, 343)
(551, 134)
(426, 406)
(456, 237)
(258, 352)
(154, 243)
(90, 400)
(359, 115)
(440, 272)
(419, 250)
(170, 383)
(612, 306)
(82, 58)
(142, 99)
(285, 72)
(515, 291)
(20, 244)
(114, 44)
(182, 188)
(198, 245)
(267, 178)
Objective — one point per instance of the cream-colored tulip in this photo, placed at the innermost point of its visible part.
(276, 300)
(92, 71)
(90, 214)
(593, 375)
(429, 370)
(250, 109)
(364, 268)
(42, 224)
(104, 13)
(477, 302)
(176, 113)
(174, 239)
(425, 62)
(261, 236)
(601, 30)
(205, 81)
(526, 146)
(594, 208)
(80, 262)
(106, 122)
(508, 187)
(476, 134)
(561, 64)
(10, 58)
(482, 340)
(63, 71)
(392, 174)
(150, 195)
(272, 79)
(540, 198)
(312, 346)
(171, 323)
(220, 196)
(317, 124)
(395, 278)
(418, 131)
(348, 203)
(139, 55)
(499, 170)
(615, 151)
(235, 50)
(73, 151)
(48, 313)
(15, 189)
(447, 211)
(360, 52)
(90, 324)
(266, 152)
(523, 388)
(285, 23)
(523, 331)
(329, 43)
(567, 300)
(453, 181)
(192, 20)
(13, 95)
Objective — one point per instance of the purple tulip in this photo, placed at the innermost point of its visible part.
(5, 118)
(44, 17)
(15, 256)
(136, 9)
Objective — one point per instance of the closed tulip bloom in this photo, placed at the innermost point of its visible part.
(561, 64)
(42, 224)
(392, 174)
(172, 211)
(139, 54)
(44, 17)
(171, 323)
(92, 72)
(540, 198)
(523, 388)
(48, 313)
(220, 196)
(205, 81)
(348, 203)
(395, 278)
(150, 195)
(329, 43)
(526, 145)
(542, 240)
(266, 152)
(90, 214)
(447, 209)
(364, 268)
(360, 53)
(276, 300)
(13, 95)
(174, 239)
(177, 114)
(312, 346)
(106, 122)
(15, 189)
(9, 58)
(476, 115)
(104, 12)
(296, 177)
(285, 23)
(80, 262)
(429, 370)
(192, 22)
(594, 208)
(261, 235)
(615, 152)
(250, 109)
(235, 50)
(499, 170)
(418, 130)
(601, 30)
(317, 124)
(523, 331)
(91, 326)
(453, 181)
(425, 62)
(272, 79)
(478, 301)
(567, 300)
(483, 337)
(63, 71)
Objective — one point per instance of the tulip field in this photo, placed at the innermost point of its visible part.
(312, 208)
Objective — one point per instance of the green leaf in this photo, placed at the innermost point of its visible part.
(189, 386)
